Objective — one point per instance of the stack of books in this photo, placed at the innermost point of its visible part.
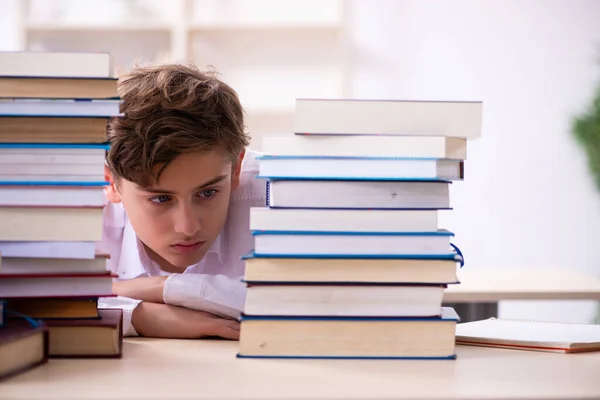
(349, 258)
(54, 109)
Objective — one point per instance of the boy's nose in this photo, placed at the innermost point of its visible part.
(186, 221)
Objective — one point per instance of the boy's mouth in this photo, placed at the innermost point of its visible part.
(187, 247)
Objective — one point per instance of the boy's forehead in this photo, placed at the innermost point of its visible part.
(191, 170)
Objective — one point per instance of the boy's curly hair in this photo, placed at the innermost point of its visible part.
(170, 110)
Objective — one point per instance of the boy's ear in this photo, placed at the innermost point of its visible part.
(112, 194)
(237, 169)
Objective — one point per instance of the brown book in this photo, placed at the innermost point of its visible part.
(55, 308)
(22, 347)
(58, 88)
(81, 338)
(53, 129)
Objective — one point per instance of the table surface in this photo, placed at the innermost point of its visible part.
(496, 284)
(178, 369)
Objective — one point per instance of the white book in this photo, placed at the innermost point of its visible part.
(60, 107)
(344, 300)
(48, 249)
(338, 220)
(334, 244)
(365, 146)
(359, 168)
(462, 119)
(13, 286)
(29, 265)
(515, 334)
(48, 196)
(54, 171)
(56, 64)
(358, 194)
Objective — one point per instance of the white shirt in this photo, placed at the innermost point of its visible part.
(213, 284)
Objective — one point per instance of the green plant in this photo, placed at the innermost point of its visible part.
(586, 129)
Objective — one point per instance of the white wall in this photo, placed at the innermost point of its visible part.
(528, 199)
(10, 30)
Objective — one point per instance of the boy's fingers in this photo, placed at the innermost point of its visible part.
(228, 332)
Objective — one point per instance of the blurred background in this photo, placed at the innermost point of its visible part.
(528, 200)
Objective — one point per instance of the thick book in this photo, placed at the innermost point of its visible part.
(54, 308)
(56, 64)
(60, 107)
(81, 338)
(349, 337)
(285, 167)
(58, 87)
(340, 244)
(364, 146)
(349, 270)
(31, 266)
(461, 119)
(52, 196)
(38, 286)
(545, 336)
(343, 299)
(340, 220)
(48, 249)
(38, 129)
(51, 224)
(22, 347)
(352, 194)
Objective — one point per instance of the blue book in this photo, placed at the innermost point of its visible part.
(349, 337)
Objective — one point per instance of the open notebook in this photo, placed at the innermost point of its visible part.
(558, 337)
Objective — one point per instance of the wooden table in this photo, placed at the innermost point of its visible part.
(480, 290)
(203, 369)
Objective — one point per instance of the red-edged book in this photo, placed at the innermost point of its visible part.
(54, 285)
(22, 347)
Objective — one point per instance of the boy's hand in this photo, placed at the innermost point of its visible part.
(167, 321)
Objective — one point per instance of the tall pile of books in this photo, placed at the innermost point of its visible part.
(54, 109)
(349, 258)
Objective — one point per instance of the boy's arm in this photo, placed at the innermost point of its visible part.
(168, 321)
(216, 294)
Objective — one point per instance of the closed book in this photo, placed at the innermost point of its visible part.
(340, 244)
(341, 220)
(22, 347)
(344, 299)
(347, 168)
(358, 194)
(48, 249)
(353, 270)
(52, 196)
(56, 64)
(37, 286)
(54, 308)
(365, 146)
(81, 338)
(460, 119)
(69, 224)
(44, 129)
(348, 338)
(53, 266)
(57, 87)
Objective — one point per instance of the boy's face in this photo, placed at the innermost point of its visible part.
(179, 218)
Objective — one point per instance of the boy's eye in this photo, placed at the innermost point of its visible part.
(208, 193)
(160, 199)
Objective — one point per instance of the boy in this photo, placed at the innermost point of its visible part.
(177, 218)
